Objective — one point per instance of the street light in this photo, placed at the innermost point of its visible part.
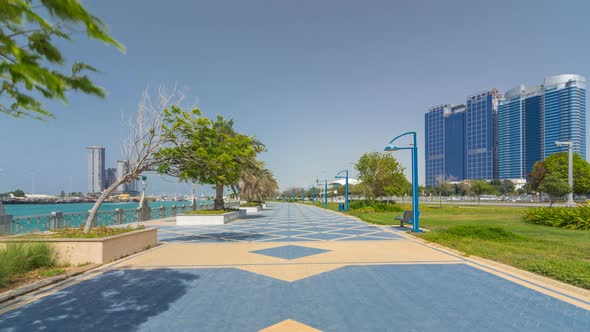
(570, 170)
(414, 148)
(338, 176)
(325, 192)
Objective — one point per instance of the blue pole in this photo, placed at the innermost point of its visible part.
(292, 196)
(346, 204)
(326, 194)
(303, 195)
(313, 196)
(415, 193)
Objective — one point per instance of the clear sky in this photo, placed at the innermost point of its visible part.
(319, 82)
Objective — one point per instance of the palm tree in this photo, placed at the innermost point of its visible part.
(257, 183)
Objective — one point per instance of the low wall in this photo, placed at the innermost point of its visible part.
(208, 219)
(99, 250)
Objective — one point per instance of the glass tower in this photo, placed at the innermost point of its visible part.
(435, 144)
(444, 148)
(481, 136)
(96, 169)
(519, 125)
(564, 116)
(531, 120)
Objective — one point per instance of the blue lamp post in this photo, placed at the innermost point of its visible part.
(313, 195)
(414, 148)
(338, 176)
(303, 195)
(325, 182)
(292, 196)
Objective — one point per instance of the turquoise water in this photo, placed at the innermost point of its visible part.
(18, 210)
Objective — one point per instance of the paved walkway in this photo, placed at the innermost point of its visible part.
(300, 268)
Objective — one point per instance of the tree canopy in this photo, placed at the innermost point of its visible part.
(205, 151)
(555, 186)
(557, 164)
(32, 65)
(382, 175)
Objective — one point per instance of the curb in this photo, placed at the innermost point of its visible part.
(22, 290)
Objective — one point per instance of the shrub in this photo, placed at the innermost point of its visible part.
(571, 218)
(20, 258)
(367, 206)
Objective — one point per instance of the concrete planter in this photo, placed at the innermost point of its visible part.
(207, 219)
(264, 206)
(99, 250)
(250, 209)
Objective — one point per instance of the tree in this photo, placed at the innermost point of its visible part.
(205, 151)
(507, 187)
(557, 163)
(145, 140)
(18, 193)
(382, 175)
(482, 187)
(31, 59)
(257, 183)
(555, 186)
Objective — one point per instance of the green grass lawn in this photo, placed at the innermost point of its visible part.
(500, 234)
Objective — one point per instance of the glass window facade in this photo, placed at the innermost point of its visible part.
(564, 117)
(481, 136)
(434, 145)
(454, 144)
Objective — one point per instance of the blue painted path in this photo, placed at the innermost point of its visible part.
(453, 296)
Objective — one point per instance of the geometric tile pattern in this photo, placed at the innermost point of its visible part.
(289, 252)
(281, 222)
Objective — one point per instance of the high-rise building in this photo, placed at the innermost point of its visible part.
(434, 147)
(531, 120)
(519, 125)
(444, 148)
(96, 169)
(122, 169)
(111, 177)
(564, 113)
(481, 135)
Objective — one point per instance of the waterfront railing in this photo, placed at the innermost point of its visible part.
(58, 220)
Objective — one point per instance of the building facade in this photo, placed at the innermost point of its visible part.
(444, 148)
(481, 145)
(531, 120)
(122, 169)
(96, 169)
(564, 113)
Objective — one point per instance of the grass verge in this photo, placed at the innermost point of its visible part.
(500, 234)
(18, 259)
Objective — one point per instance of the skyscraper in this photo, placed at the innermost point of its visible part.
(481, 135)
(111, 177)
(564, 113)
(444, 148)
(96, 169)
(519, 125)
(532, 119)
(122, 169)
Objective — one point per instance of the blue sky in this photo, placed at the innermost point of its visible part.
(319, 82)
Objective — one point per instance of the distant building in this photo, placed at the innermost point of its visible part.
(445, 148)
(111, 177)
(122, 169)
(532, 119)
(481, 162)
(96, 169)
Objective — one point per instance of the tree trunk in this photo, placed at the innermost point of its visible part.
(218, 202)
(100, 200)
